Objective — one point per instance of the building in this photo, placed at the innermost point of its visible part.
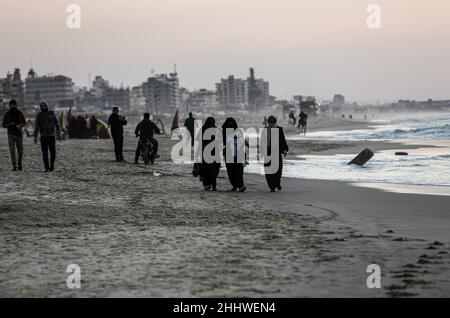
(12, 86)
(203, 101)
(56, 90)
(249, 94)
(338, 100)
(99, 86)
(119, 97)
(137, 99)
(232, 93)
(184, 98)
(258, 92)
(162, 93)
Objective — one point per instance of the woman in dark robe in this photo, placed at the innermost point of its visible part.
(274, 179)
(209, 171)
(234, 142)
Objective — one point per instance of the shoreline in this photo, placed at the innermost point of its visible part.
(151, 231)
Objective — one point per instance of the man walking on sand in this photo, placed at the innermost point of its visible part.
(116, 123)
(14, 121)
(47, 125)
(189, 123)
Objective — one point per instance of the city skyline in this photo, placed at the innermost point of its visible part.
(318, 48)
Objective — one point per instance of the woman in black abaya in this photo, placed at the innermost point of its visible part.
(234, 143)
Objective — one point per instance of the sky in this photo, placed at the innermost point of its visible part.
(302, 47)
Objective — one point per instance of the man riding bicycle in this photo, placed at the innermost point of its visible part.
(145, 130)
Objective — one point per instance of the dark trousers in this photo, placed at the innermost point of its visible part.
(274, 179)
(15, 142)
(209, 173)
(118, 147)
(235, 173)
(48, 144)
(139, 148)
(191, 134)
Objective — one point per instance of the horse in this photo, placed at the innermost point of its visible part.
(302, 123)
(291, 124)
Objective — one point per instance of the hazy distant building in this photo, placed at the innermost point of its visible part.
(56, 90)
(338, 100)
(12, 86)
(235, 93)
(428, 105)
(119, 97)
(202, 100)
(258, 91)
(137, 99)
(162, 93)
(99, 86)
(232, 93)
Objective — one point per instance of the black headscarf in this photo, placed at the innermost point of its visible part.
(229, 123)
(210, 122)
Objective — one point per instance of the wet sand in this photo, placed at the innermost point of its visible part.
(151, 231)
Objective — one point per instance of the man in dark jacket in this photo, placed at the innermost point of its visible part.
(189, 123)
(146, 130)
(14, 121)
(116, 123)
(47, 125)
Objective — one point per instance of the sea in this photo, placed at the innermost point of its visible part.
(426, 170)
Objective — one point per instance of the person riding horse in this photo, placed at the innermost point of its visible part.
(292, 120)
(302, 122)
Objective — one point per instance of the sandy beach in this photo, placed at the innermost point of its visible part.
(150, 231)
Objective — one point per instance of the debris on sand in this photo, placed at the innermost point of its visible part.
(401, 153)
(400, 239)
(364, 156)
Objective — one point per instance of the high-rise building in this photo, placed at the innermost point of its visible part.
(12, 86)
(202, 100)
(119, 97)
(338, 100)
(56, 90)
(99, 86)
(258, 91)
(232, 93)
(235, 93)
(162, 93)
(137, 99)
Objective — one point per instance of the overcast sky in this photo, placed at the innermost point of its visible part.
(306, 47)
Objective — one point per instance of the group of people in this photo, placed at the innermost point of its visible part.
(85, 128)
(302, 121)
(145, 130)
(234, 143)
(47, 127)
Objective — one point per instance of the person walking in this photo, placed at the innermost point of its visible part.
(47, 126)
(209, 170)
(189, 123)
(234, 153)
(116, 123)
(274, 179)
(14, 121)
